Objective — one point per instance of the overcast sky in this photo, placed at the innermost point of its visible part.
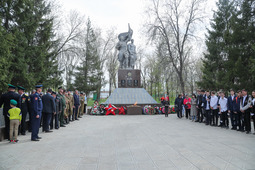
(118, 13)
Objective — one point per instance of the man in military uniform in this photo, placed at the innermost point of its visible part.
(57, 113)
(71, 104)
(63, 104)
(25, 101)
(5, 99)
(81, 109)
(67, 107)
(36, 113)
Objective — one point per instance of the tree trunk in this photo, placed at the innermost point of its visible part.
(110, 88)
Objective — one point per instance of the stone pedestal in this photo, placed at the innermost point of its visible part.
(129, 78)
(134, 110)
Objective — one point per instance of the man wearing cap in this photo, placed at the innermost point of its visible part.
(24, 108)
(63, 104)
(48, 110)
(71, 104)
(5, 99)
(36, 112)
(67, 108)
(81, 109)
(57, 111)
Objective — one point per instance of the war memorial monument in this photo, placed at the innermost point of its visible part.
(129, 91)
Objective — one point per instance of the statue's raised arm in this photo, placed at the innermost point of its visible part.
(127, 36)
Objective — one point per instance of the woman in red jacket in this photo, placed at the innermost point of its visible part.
(187, 105)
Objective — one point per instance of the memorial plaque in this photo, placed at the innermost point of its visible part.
(123, 83)
(129, 78)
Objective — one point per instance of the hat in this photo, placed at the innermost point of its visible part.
(12, 86)
(39, 86)
(60, 87)
(53, 92)
(21, 88)
(202, 90)
(13, 102)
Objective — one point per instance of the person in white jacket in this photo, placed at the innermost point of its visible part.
(214, 108)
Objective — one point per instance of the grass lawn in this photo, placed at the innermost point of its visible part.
(91, 102)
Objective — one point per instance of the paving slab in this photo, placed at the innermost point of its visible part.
(132, 143)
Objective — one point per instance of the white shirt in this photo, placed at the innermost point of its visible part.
(223, 104)
(214, 102)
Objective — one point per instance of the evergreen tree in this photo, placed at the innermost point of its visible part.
(34, 51)
(88, 76)
(215, 65)
(5, 58)
(243, 42)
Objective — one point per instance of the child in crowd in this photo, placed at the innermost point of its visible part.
(15, 116)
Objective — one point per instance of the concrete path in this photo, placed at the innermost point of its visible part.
(132, 142)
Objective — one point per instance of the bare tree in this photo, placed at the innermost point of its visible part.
(174, 22)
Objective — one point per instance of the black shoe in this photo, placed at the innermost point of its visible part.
(35, 140)
(39, 137)
(57, 128)
(242, 131)
(62, 126)
(76, 119)
(79, 116)
(196, 121)
(48, 131)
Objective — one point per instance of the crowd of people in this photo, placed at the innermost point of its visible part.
(215, 109)
(49, 110)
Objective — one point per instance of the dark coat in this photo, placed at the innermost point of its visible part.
(178, 104)
(76, 100)
(5, 99)
(199, 101)
(48, 103)
(25, 103)
(231, 103)
(205, 102)
(36, 105)
(58, 105)
(236, 104)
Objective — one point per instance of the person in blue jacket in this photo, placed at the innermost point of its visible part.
(36, 112)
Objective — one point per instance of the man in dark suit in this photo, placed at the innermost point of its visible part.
(207, 108)
(48, 110)
(76, 104)
(231, 100)
(245, 108)
(200, 101)
(25, 102)
(57, 113)
(5, 99)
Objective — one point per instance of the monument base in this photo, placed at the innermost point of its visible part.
(130, 96)
(134, 110)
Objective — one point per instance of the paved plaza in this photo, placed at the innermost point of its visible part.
(132, 142)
